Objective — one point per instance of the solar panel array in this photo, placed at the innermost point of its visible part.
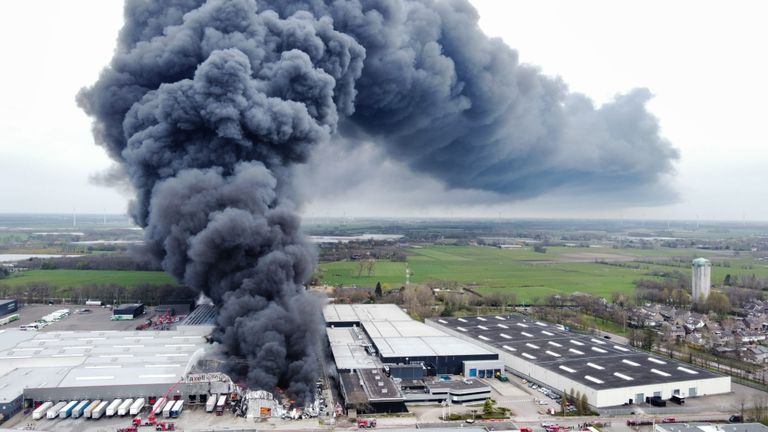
(596, 362)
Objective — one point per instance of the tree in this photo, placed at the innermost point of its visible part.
(539, 248)
(577, 402)
(718, 302)
(649, 339)
(563, 402)
(378, 291)
(727, 280)
(584, 404)
(488, 407)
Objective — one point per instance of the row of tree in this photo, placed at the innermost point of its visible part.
(92, 262)
(576, 399)
(151, 294)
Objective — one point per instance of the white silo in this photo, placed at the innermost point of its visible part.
(701, 280)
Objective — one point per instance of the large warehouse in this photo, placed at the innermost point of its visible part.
(397, 339)
(97, 364)
(386, 359)
(608, 373)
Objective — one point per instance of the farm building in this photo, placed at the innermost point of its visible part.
(609, 374)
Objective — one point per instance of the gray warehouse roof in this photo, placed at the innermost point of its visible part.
(595, 362)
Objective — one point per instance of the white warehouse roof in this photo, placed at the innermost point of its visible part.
(98, 358)
(394, 333)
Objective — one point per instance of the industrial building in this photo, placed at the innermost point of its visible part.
(386, 359)
(8, 306)
(700, 279)
(609, 374)
(127, 311)
(55, 366)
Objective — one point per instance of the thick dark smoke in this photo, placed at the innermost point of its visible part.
(207, 106)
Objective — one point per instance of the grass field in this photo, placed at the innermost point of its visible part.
(75, 278)
(390, 274)
(499, 270)
(530, 275)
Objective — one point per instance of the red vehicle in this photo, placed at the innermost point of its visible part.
(366, 423)
(163, 426)
(669, 420)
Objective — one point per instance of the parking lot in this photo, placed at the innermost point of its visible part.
(97, 319)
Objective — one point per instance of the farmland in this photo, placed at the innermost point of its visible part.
(74, 278)
(531, 275)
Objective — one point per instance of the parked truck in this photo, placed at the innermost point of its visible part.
(92, 406)
(112, 407)
(80, 408)
(220, 404)
(66, 410)
(159, 405)
(177, 408)
(136, 406)
(124, 407)
(40, 411)
(210, 404)
(677, 399)
(167, 408)
(99, 411)
(53, 412)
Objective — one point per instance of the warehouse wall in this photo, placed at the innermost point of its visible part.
(704, 387)
(443, 364)
(99, 392)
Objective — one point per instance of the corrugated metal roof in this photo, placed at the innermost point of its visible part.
(202, 315)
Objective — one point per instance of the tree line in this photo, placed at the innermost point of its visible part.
(151, 294)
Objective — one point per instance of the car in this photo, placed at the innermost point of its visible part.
(469, 420)
(606, 336)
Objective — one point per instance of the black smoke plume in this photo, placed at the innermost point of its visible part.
(207, 105)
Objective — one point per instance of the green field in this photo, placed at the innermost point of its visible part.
(530, 275)
(76, 278)
(390, 274)
(498, 270)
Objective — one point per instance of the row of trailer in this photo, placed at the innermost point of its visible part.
(216, 403)
(104, 408)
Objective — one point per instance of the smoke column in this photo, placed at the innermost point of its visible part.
(207, 106)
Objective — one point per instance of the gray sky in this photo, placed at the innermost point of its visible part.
(703, 61)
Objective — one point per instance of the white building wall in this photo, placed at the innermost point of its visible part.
(704, 387)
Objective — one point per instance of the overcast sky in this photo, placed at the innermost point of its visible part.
(704, 62)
